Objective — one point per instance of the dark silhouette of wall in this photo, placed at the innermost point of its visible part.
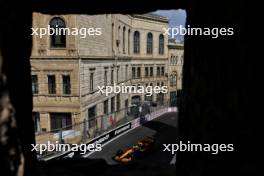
(217, 103)
(16, 124)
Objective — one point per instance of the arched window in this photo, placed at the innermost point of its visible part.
(149, 43)
(128, 41)
(119, 39)
(124, 40)
(161, 44)
(58, 39)
(136, 42)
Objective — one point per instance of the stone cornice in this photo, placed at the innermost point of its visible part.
(152, 17)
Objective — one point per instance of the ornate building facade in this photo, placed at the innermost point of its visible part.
(175, 65)
(67, 69)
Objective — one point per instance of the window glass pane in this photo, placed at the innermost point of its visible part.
(138, 72)
(112, 104)
(60, 120)
(34, 80)
(52, 84)
(149, 43)
(136, 42)
(91, 81)
(161, 44)
(58, 39)
(36, 120)
(91, 117)
(66, 84)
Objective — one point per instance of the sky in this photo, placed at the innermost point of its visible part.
(176, 18)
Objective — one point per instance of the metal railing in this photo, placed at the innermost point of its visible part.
(89, 129)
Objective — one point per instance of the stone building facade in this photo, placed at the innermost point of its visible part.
(67, 69)
(175, 65)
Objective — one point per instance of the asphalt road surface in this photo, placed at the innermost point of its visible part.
(162, 128)
(156, 163)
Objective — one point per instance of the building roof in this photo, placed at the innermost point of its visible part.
(173, 44)
(152, 16)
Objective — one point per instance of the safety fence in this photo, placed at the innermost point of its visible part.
(90, 130)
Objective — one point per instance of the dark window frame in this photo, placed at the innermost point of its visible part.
(146, 72)
(151, 72)
(106, 109)
(36, 120)
(60, 121)
(34, 82)
(92, 117)
(128, 38)
(117, 102)
(149, 43)
(117, 75)
(66, 84)
(105, 77)
(161, 44)
(139, 72)
(112, 104)
(136, 42)
(124, 39)
(52, 84)
(57, 40)
(162, 71)
(112, 76)
(126, 72)
(133, 72)
(158, 71)
(91, 82)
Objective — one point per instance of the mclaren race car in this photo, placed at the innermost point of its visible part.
(135, 152)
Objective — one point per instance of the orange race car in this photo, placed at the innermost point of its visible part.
(136, 151)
